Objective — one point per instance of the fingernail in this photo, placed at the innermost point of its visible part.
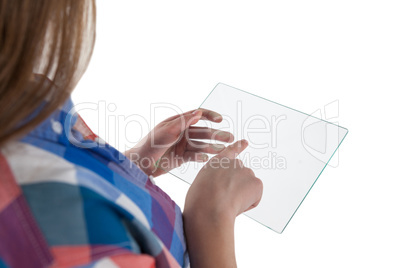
(218, 147)
(195, 112)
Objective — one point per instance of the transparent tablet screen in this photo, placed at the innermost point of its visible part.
(288, 149)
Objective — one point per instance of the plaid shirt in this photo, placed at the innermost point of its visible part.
(63, 205)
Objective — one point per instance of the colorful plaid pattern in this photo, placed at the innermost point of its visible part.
(62, 205)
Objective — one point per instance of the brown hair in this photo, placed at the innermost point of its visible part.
(53, 38)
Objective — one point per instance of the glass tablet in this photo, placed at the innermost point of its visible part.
(288, 149)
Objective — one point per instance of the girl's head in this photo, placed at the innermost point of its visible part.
(53, 38)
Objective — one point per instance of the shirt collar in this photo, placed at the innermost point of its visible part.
(66, 128)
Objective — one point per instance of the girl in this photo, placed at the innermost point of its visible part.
(68, 200)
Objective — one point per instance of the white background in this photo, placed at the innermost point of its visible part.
(303, 54)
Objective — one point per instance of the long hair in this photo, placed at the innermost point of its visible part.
(52, 38)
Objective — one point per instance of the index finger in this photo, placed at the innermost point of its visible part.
(210, 115)
(205, 115)
(233, 150)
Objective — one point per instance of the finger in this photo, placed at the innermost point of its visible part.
(210, 115)
(205, 133)
(233, 150)
(198, 146)
(205, 113)
(173, 117)
(185, 120)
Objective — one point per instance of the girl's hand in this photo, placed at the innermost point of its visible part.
(170, 143)
(223, 189)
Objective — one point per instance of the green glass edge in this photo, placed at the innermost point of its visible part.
(347, 131)
(269, 101)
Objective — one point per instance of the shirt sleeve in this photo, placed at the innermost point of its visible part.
(60, 209)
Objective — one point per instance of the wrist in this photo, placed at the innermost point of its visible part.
(136, 157)
(199, 216)
(210, 240)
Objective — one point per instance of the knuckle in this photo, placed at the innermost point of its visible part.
(250, 171)
(258, 183)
